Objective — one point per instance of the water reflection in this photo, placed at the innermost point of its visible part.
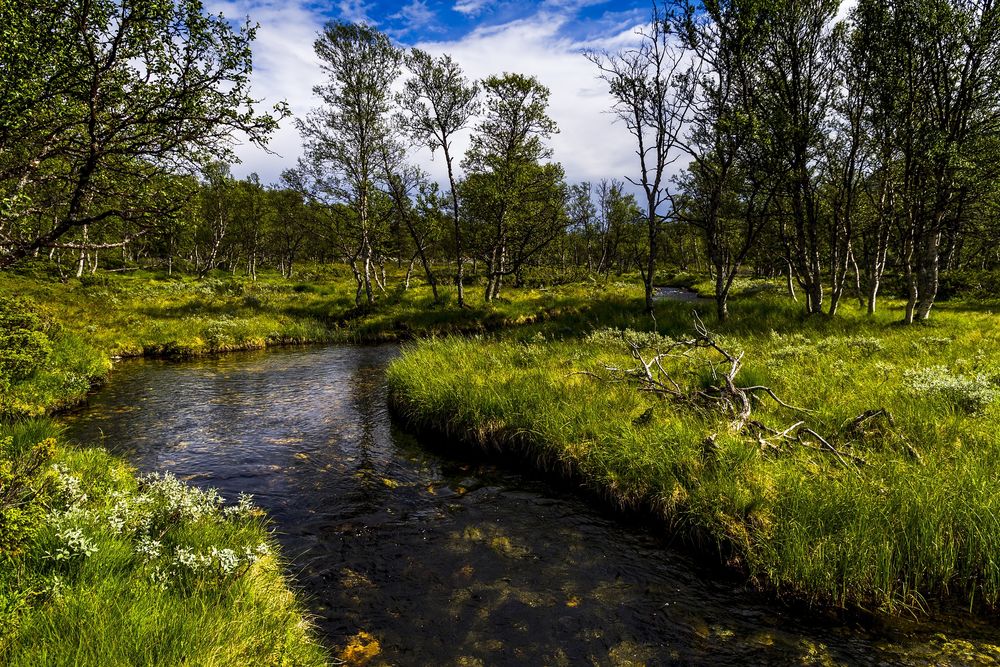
(414, 559)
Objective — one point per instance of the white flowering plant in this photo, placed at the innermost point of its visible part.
(972, 394)
(185, 538)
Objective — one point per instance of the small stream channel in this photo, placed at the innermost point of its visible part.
(452, 561)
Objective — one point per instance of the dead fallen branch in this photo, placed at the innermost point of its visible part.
(705, 351)
(841, 456)
(775, 441)
(723, 364)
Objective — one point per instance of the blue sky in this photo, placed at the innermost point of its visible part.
(418, 20)
(544, 38)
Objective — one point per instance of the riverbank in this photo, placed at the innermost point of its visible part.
(100, 566)
(150, 571)
(429, 556)
(91, 322)
(887, 502)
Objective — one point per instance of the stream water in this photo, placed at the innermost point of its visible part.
(451, 561)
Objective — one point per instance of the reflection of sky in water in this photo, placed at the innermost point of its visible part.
(442, 561)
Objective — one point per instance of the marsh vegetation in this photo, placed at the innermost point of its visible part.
(866, 485)
(824, 180)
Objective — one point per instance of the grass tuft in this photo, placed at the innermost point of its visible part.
(125, 570)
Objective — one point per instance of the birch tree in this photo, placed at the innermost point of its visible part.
(344, 138)
(100, 100)
(643, 82)
(439, 102)
(517, 200)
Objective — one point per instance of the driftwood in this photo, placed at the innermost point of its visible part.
(725, 366)
(726, 394)
(798, 434)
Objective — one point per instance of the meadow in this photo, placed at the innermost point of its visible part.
(869, 483)
(91, 322)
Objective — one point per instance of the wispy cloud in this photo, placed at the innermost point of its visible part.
(471, 7)
(416, 17)
(355, 11)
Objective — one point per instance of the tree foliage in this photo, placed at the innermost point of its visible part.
(102, 99)
(515, 203)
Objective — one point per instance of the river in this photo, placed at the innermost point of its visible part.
(456, 561)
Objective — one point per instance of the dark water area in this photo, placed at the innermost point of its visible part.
(456, 561)
(679, 294)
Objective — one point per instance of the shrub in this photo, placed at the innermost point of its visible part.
(971, 394)
(253, 301)
(98, 280)
(23, 483)
(865, 346)
(623, 338)
(969, 284)
(154, 520)
(794, 352)
(221, 333)
(24, 345)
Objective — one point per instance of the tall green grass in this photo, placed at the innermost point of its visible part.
(79, 588)
(920, 521)
(99, 318)
(98, 579)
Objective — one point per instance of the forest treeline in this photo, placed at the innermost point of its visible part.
(772, 137)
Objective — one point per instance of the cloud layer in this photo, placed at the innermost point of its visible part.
(590, 145)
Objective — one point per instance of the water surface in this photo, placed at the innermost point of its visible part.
(454, 561)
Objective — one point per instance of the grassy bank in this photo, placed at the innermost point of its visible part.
(101, 567)
(91, 321)
(901, 509)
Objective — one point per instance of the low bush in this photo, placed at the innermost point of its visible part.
(24, 344)
(971, 394)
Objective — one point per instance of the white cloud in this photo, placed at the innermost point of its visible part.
(285, 68)
(590, 145)
(355, 11)
(416, 16)
(470, 7)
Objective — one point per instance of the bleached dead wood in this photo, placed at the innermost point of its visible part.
(651, 374)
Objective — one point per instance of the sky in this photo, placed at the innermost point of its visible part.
(544, 38)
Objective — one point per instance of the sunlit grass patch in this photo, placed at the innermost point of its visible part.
(906, 511)
(124, 570)
(87, 322)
